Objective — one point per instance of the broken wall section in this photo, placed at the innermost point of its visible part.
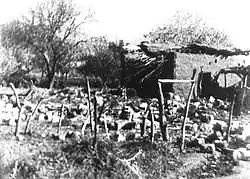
(142, 72)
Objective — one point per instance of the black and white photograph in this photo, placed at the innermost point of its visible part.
(125, 89)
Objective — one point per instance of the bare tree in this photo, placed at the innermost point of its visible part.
(52, 33)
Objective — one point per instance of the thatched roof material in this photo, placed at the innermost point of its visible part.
(202, 49)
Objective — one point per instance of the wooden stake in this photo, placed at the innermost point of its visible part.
(60, 120)
(85, 124)
(152, 125)
(19, 108)
(244, 90)
(105, 121)
(225, 80)
(229, 124)
(89, 105)
(144, 118)
(95, 119)
(28, 95)
(164, 129)
(199, 88)
(106, 128)
(186, 113)
(143, 125)
(32, 114)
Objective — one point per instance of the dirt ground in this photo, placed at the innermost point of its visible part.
(41, 156)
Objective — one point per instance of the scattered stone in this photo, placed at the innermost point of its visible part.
(41, 117)
(245, 132)
(210, 105)
(241, 154)
(28, 107)
(49, 116)
(210, 148)
(221, 144)
(130, 136)
(120, 137)
(20, 137)
(80, 94)
(2, 104)
(247, 140)
(42, 108)
(9, 106)
(248, 146)
(211, 99)
(13, 100)
(195, 128)
(12, 122)
(177, 98)
(143, 105)
(218, 102)
(203, 107)
(99, 100)
(55, 136)
(218, 125)
(55, 119)
(5, 98)
(196, 104)
(23, 116)
(78, 134)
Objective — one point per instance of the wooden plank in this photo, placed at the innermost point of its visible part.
(174, 81)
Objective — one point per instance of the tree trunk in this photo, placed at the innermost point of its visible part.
(51, 80)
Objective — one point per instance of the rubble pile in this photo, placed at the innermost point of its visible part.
(206, 127)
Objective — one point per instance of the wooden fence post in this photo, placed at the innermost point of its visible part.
(164, 128)
(19, 109)
(186, 112)
(33, 113)
(89, 105)
(229, 124)
(151, 111)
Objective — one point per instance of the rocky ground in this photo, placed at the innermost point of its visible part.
(122, 151)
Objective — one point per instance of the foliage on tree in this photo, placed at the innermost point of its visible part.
(185, 29)
(102, 60)
(51, 35)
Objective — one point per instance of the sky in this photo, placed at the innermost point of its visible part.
(130, 19)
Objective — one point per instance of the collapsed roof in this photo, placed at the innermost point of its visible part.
(146, 63)
(192, 48)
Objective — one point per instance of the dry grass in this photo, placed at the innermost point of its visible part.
(45, 157)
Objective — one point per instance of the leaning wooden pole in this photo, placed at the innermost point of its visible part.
(122, 60)
(95, 120)
(144, 118)
(89, 106)
(32, 114)
(186, 113)
(60, 119)
(164, 128)
(244, 90)
(152, 125)
(229, 124)
(19, 108)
